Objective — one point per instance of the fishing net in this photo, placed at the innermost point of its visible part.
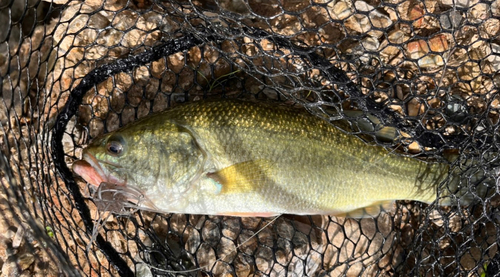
(426, 73)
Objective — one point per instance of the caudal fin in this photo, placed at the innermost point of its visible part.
(467, 186)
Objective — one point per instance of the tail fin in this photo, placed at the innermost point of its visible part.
(466, 187)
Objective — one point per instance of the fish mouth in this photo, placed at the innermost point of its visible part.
(111, 193)
(92, 172)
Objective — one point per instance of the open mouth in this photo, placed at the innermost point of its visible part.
(92, 172)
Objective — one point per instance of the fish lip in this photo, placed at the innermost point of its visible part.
(91, 159)
(105, 174)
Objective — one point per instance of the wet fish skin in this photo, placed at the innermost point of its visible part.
(240, 158)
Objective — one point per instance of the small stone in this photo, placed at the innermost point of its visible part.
(478, 13)
(150, 21)
(414, 147)
(389, 54)
(370, 44)
(26, 260)
(133, 38)
(469, 71)
(415, 108)
(380, 20)
(439, 43)
(363, 6)
(142, 269)
(398, 37)
(109, 37)
(450, 20)
(18, 237)
(495, 8)
(9, 234)
(460, 3)
(431, 61)
(124, 20)
(479, 50)
(456, 108)
(490, 28)
(358, 23)
(417, 49)
(10, 267)
(494, 59)
(62, 2)
(341, 10)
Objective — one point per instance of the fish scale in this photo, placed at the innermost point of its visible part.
(230, 157)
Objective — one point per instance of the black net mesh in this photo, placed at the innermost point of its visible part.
(426, 73)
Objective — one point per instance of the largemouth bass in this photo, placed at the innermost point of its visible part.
(247, 159)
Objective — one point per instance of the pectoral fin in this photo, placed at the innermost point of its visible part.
(243, 177)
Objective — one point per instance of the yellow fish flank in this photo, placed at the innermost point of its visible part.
(247, 159)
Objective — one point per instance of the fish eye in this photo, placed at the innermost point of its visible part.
(115, 146)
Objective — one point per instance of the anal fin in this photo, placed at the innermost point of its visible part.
(249, 214)
(371, 211)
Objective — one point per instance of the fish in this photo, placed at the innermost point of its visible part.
(239, 158)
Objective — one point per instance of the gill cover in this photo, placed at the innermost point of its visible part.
(182, 159)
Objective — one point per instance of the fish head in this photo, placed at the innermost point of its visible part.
(104, 160)
(157, 159)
